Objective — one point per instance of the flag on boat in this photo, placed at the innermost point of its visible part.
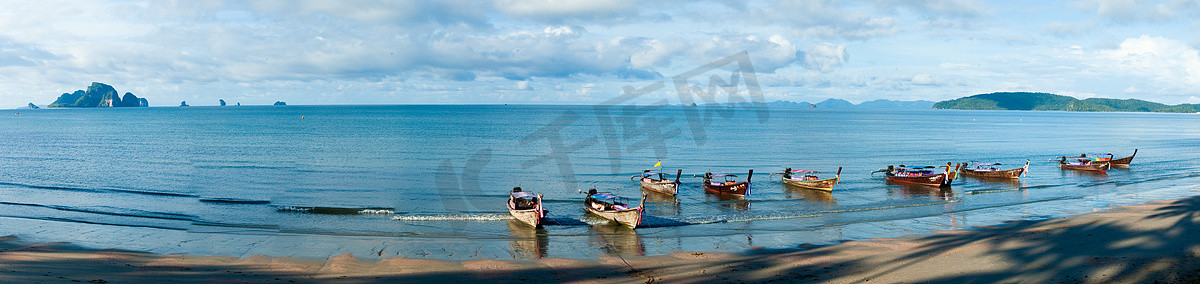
(659, 164)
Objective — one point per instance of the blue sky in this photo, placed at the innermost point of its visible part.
(585, 51)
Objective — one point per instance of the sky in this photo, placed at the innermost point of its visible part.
(588, 51)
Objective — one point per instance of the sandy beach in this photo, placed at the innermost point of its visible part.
(1142, 243)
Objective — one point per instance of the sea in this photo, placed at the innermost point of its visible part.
(431, 181)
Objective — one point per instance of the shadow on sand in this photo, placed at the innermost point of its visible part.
(1141, 244)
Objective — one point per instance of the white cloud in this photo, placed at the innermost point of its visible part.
(1129, 11)
(825, 57)
(524, 85)
(1159, 58)
(1064, 29)
(937, 8)
(559, 10)
(925, 80)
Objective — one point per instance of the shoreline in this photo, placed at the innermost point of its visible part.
(1137, 243)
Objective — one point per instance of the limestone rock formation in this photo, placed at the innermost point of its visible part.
(98, 95)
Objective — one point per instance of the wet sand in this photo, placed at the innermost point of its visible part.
(1142, 243)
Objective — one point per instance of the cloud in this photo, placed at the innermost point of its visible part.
(1063, 29)
(1159, 58)
(562, 10)
(22, 54)
(825, 57)
(524, 86)
(1130, 11)
(823, 19)
(926, 80)
(937, 8)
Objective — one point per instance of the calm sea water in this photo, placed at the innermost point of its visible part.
(431, 181)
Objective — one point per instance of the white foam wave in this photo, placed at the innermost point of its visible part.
(453, 217)
(376, 211)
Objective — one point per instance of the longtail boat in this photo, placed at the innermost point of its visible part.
(992, 170)
(921, 175)
(1124, 162)
(1095, 163)
(808, 179)
(729, 186)
(659, 182)
(526, 207)
(612, 207)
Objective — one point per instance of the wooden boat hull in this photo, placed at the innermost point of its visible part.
(1008, 174)
(629, 217)
(532, 217)
(936, 180)
(1123, 162)
(666, 186)
(1090, 167)
(823, 185)
(741, 188)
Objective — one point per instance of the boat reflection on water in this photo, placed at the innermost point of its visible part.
(796, 192)
(1092, 176)
(617, 240)
(735, 202)
(527, 242)
(999, 181)
(920, 190)
(661, 204)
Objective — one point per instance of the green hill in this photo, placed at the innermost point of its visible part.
(1047, 101)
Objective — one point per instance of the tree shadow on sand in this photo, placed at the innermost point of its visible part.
(1159, 247)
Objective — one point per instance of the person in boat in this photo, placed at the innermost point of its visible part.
(523, 203)
(787, 173)
(597, 204)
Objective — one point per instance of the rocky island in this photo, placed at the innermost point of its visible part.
(99, 95)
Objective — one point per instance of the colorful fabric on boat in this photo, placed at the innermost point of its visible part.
(605, 196)
(523, 195)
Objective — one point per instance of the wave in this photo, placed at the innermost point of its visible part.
(112, 211)
(234, 201)
(453, 217)
(337, 210)
(777, 215)
(109, 189)
(68, 220)
(890, 207)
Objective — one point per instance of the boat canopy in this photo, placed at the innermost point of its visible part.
(523, 195)
(985, 164)
(805, 171)
(723, 175)
(606, 196)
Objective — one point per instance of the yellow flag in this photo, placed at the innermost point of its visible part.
(659, 164)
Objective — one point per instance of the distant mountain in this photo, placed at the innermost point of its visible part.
(835, 104)
(1047, 101)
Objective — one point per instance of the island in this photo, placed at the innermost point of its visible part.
(98, 95)
(279, 103)
(1052, 102)
(222, 102)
